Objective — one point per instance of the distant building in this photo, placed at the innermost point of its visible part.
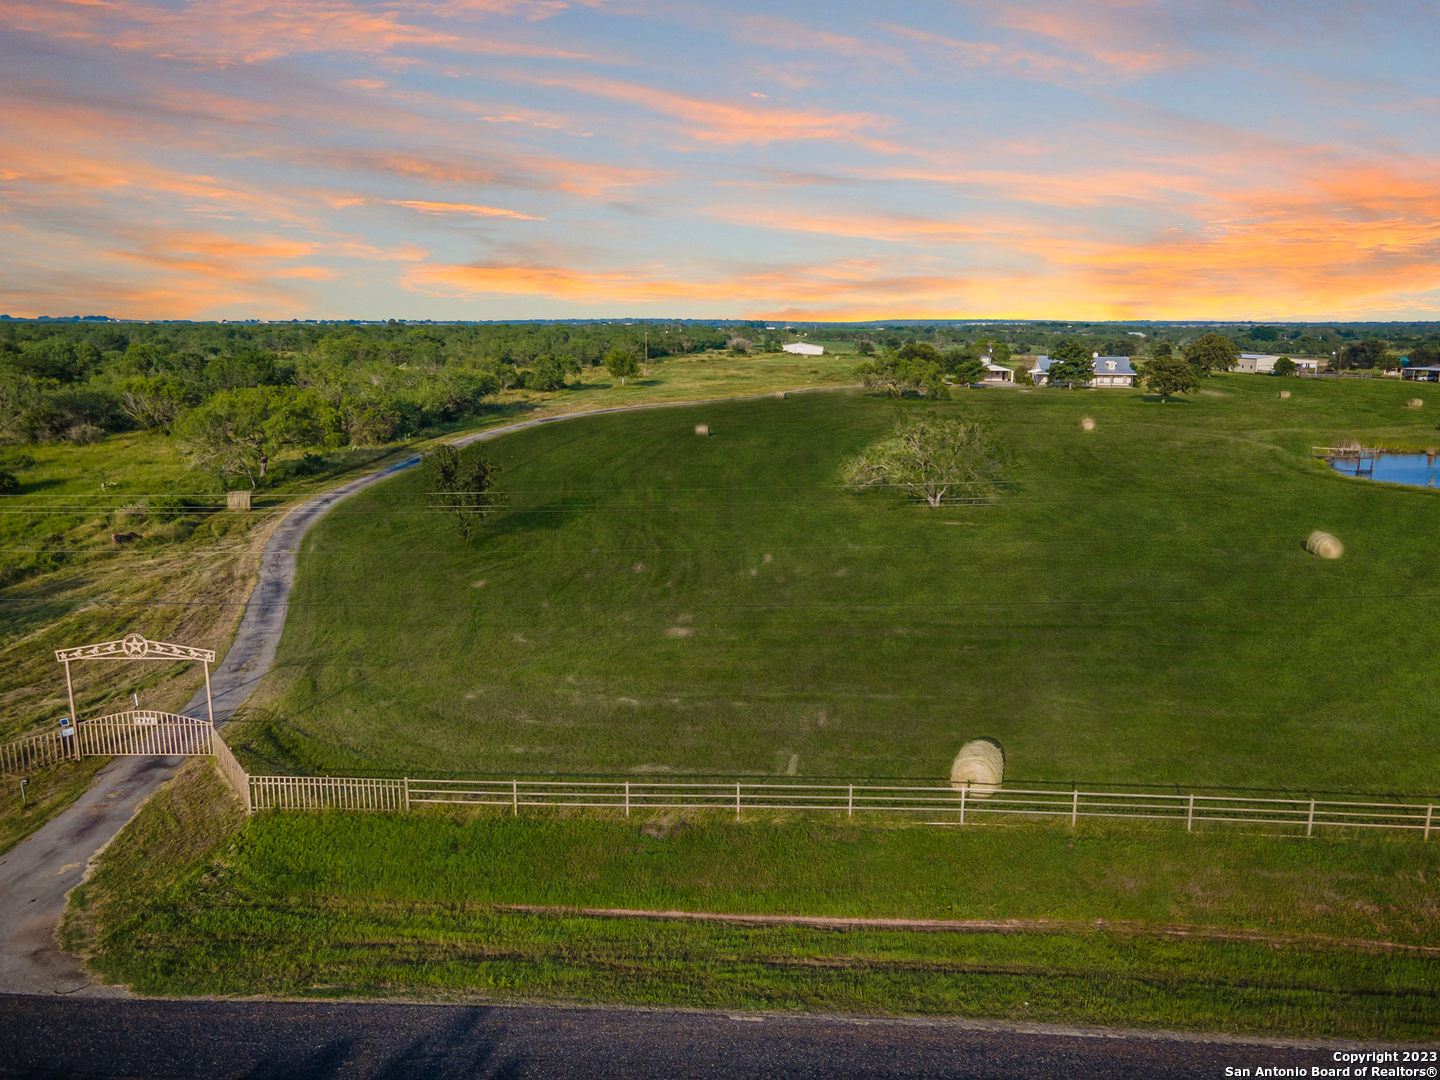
(1113, 371)
(1264, 363)
(995, 373)
(1110, 372)
(801, 348)
(1421, 374)
(1255, 363)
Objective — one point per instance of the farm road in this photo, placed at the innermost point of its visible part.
(47, 1037)
(37, 874)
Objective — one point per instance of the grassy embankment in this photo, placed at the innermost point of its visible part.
(186, 579)
(56, 534)
(1282, 934)
(1137, 608)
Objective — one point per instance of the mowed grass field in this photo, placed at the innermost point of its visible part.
(1138, 925)
(1137, 608)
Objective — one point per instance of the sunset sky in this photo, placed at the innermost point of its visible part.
(491, 159)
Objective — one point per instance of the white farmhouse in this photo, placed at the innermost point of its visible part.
(802, 348)
(1109, 371)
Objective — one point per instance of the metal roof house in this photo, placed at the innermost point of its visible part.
(1113, 371)
(1110, 371)
(995, 373)
(802, 348)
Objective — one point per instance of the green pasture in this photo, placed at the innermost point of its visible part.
(1134, 925)
(1137, 608)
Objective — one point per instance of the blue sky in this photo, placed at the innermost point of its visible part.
(498, 159)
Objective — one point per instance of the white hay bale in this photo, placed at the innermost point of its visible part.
(979, 768)
(1087, 424)
(1415, 403)
(1284, 394)
(1324, 545)
(780, 394)
(702, 429)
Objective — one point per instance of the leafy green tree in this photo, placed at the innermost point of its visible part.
(621, 364)
(898, 374)
(1168, 376)
(1285, 366)
(1367, 354)
(1161, 347)
(865, 347)
(1424, 356)
(1071, 364)
(462, 481)
(238, 432)
(1124, 346)
(928, 456)
(153, 403)
(1211, 352)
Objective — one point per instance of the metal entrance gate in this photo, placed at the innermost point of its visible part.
(141, 732)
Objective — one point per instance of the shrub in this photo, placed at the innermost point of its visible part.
(172, 507)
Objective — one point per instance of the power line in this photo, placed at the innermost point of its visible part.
(702, 605)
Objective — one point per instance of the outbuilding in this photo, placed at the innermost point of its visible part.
(802, 348)
(996, 373)
(1421, 374)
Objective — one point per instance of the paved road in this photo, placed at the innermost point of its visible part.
(37, 874)
(54, 1037)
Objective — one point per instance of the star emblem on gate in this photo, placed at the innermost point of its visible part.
(134, 645)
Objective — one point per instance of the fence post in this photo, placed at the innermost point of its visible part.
(1190, 816)
(1074, 808)
(407, 794)
(515, 796)
(627, 798)
(737, 802)
(1429, 811)
(1310, 821)
(850, 802)
(963, 792)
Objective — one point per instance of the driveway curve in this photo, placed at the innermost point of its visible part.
(37, 874)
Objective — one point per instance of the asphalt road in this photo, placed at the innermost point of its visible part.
(56, 1037)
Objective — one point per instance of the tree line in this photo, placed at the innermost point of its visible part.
(236, 395)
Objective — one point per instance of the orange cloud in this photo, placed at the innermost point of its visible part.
(729, 123)
(461, 208)
(229, 32)
(1118, 36)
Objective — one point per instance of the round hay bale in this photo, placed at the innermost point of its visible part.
(1324, 545)
(780, 394)
(979, 768)
(1284, 394)
(1087, 424)
(1415, 403)
(702, 429)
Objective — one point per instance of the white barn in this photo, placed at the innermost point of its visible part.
(802, 348)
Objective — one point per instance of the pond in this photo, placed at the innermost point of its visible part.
(1417, 470)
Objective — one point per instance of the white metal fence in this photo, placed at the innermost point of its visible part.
(141, 732)
(144, 732)
(936, 803)
(136, 732)
(33, 752)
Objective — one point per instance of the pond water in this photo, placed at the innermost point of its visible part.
(1417, 470)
